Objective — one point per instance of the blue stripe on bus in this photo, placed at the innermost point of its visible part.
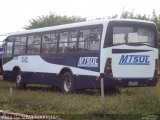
(52, 79)
(71, 60)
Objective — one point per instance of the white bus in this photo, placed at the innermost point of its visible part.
(76, 56)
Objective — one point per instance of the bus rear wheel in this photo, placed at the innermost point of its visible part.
(19, 83)
(67, 83)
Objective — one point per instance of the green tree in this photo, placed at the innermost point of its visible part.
(127, 14)
(156, 19)
(131, 15)
(52, 19)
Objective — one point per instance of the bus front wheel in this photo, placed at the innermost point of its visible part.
(19, 83)
(67, 82)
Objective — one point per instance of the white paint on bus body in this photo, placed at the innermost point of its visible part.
(42, 66)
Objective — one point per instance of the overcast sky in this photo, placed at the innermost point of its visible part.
(15, 14)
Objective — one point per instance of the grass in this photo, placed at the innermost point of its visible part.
(128, 102)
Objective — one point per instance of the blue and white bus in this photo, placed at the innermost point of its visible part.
(76, 56)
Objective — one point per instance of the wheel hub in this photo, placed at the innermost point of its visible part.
(67, 84)
(18, 79)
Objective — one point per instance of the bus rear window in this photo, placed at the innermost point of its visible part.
(127, 35)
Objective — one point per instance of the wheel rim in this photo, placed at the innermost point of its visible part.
(67, 84)
(18, 79)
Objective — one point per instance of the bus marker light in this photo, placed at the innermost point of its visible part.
(97, 78)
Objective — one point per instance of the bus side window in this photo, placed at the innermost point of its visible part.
(90, 40)
(37, 44)
(95, 37)
(17, 45)
(20, 45)
(53, 44)
(83, 40)
(23, 45)
(46, 38)
(73, 39)
(49, 43)
(63, 42)
(30, 45)
(34, 44)
(9, 47)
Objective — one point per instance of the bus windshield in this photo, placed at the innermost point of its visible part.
(127, 35)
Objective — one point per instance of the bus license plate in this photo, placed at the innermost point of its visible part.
(133, 83)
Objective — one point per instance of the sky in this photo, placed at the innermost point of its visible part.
(15, 14)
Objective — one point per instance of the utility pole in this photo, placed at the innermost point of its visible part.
(102, 89)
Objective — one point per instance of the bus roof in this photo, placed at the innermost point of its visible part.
(71, 25)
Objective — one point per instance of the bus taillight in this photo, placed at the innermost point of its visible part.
(156, 74)
(108, 67)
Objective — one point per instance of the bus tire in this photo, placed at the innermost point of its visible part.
(67, 82)
(19, 83)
